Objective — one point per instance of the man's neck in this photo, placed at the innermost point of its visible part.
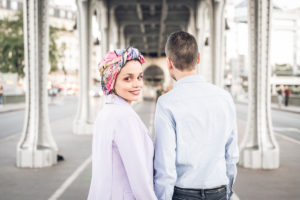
(181, 74)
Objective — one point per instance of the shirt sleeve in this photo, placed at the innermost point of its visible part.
(232, 155)
(165, 154)
(130, 141)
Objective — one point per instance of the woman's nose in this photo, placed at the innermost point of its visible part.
(137, 83)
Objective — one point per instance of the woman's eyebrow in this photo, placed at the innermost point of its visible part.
(131, 74)
(128, 74)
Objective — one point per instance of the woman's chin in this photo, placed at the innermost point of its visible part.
(133, 98)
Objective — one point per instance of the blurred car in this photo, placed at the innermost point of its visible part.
(52, 92)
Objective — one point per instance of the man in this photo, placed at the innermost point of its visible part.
(196, 147)
(159, 92)
(287, 93)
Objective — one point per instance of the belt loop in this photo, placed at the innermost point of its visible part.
(202, 193)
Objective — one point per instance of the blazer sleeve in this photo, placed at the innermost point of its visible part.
(130, 140)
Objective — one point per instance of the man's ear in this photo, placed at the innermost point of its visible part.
(169, 63)
(198, 58)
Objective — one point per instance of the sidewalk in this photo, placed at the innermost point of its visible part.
(73, 175)
(279, 184)
(21, 106)
(294, 109)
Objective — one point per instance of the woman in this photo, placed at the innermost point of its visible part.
(122, 147)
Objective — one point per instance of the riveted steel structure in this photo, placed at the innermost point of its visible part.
(145, 25)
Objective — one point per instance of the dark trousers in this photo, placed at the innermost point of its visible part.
(200, 194)
(286, 102)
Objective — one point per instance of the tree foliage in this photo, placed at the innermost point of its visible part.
(12, 46)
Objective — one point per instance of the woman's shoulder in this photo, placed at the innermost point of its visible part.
(116, 112)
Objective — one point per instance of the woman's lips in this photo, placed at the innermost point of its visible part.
(135, 92)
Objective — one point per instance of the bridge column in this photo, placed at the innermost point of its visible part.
(259, 149)
(191, 28)
(122, 38)
(217, 46)
(200, 27)
(83, 122)
(103, 23)
(36, 147)
(113, 30)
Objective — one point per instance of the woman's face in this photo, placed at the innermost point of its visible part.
(129, 82)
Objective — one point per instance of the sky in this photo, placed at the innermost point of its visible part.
(288, 4)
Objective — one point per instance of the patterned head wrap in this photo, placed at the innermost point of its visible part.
(112, 63)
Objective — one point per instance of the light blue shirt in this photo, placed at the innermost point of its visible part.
(196, 138)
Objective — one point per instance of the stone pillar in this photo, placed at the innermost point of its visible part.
(274, 89)
(103, 23)
(200, 27)
(113, 30)
(217, 46)
(83, 122)
(259, 149)
(36, 147)
(192, 23)
(295, 49)
(122, 38)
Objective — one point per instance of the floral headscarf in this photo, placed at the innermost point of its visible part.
(112, 63)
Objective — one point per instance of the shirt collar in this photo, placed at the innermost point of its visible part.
(189, 79)
(115, 99)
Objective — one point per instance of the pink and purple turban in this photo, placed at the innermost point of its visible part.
(112, 63)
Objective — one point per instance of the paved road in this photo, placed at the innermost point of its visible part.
(43, 183)
(285, 123)
(11, 123)
(76, 149)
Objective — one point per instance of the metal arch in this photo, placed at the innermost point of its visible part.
(152, 20)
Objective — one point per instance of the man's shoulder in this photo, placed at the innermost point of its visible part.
(218, 90)
(167, 97)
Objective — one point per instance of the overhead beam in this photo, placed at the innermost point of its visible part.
(152, 9)
(162, 25)
(133, 2)
(181, 24)
(154, 46)
(116, 3)
(140, 16)
(151, 49)
(149, 34)
(132, 13)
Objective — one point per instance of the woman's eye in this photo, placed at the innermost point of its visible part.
(140, 77)
(127, 79)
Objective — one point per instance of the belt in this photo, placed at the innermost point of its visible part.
(206, 189)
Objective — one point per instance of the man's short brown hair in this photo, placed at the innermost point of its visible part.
(182, 49)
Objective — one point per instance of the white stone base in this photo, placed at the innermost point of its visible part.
(258, 159)
(271, 159)
(82, 128)
(42, 157)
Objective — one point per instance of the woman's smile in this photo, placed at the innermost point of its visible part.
(129, 82)
(135, 92)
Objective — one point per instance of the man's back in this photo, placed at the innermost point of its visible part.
(194, 123)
